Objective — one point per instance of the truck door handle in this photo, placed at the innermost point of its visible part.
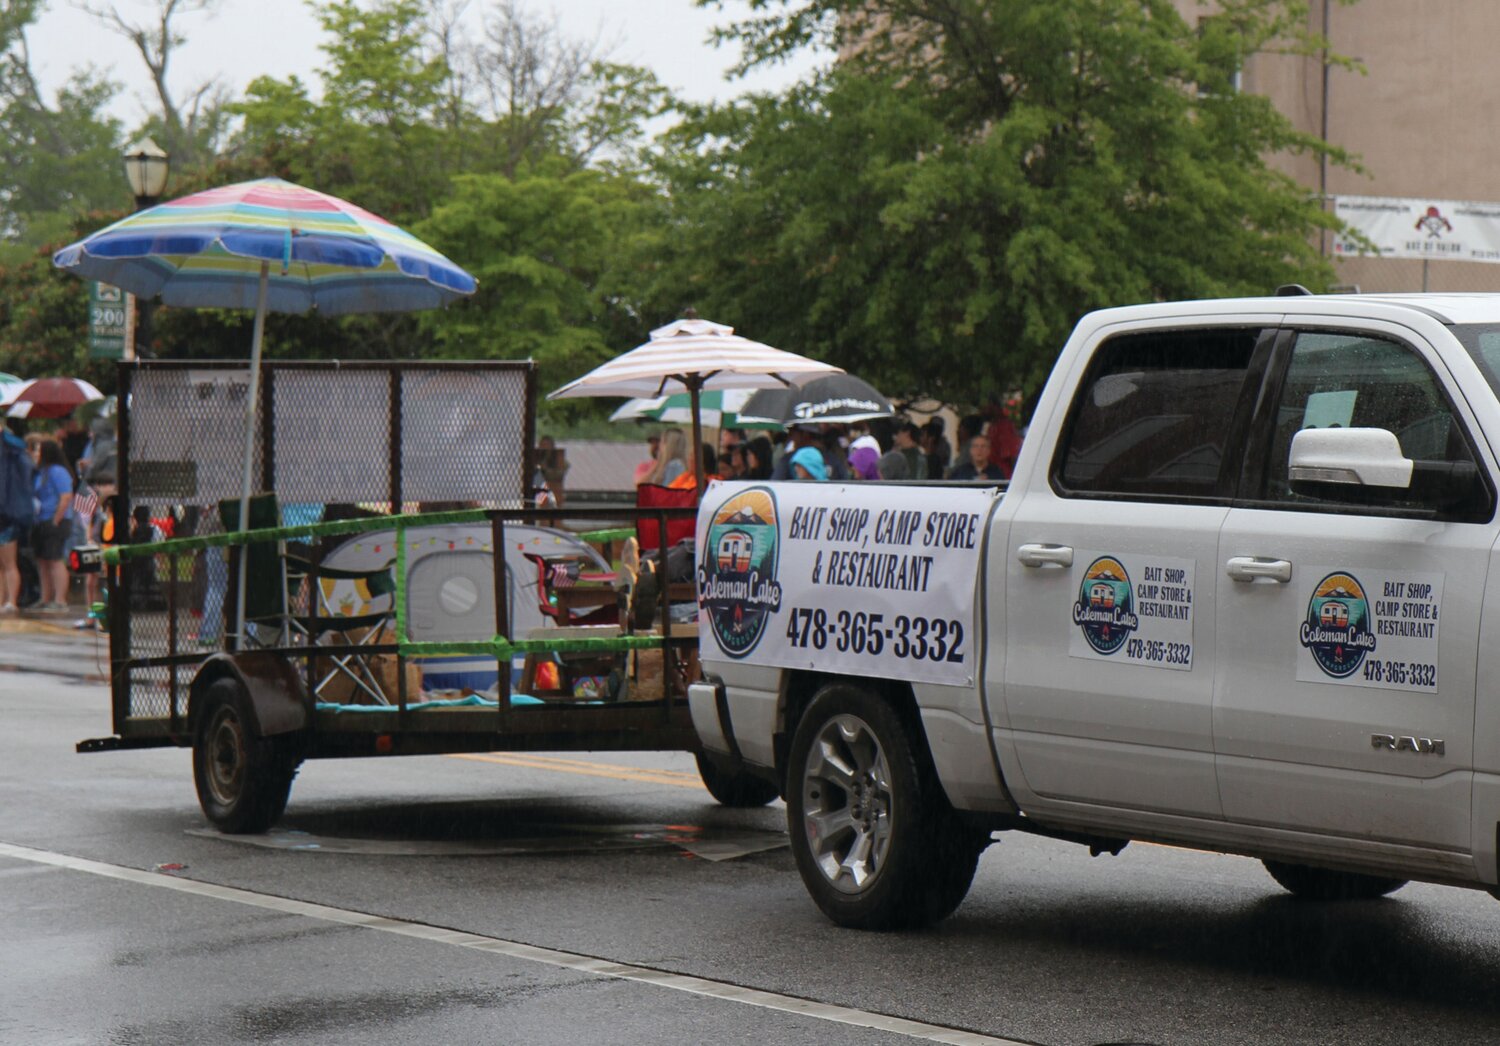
(1252, 568)
(1045, 555)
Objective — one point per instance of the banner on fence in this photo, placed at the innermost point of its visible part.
(1420, 227)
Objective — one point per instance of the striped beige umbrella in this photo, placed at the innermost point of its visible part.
(691, 355)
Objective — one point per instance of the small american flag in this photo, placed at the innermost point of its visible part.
(563, 575)
(85, 504)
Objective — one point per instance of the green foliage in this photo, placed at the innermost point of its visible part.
(553, 254)
(938, 211)
(58, 158)
(373, 136)
(44, 323)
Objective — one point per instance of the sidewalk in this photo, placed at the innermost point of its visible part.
(57, 621)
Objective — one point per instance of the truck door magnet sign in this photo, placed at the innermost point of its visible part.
(1134, 609)
(1371, 628)
(862, 579)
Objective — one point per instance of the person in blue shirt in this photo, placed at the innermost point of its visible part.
(53, 486)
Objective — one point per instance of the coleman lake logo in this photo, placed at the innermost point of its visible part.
(737, 584)
(1337, 630)
(1105, 609)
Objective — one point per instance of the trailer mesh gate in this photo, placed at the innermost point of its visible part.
(331, 438)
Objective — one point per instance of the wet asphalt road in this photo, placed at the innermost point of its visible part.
(1052, 947)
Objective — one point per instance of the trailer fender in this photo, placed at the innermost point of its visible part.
(279, 701)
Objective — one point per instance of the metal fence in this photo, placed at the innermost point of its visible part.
(333, 440)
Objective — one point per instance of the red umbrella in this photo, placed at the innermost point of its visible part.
(51, 397)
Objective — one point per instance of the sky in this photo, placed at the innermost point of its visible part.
(243, 39)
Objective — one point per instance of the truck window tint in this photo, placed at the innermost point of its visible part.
(1483, 342)
(1153, 413)
(1356, 381)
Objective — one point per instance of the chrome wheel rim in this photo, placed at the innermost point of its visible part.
(226, 757)
(846, 803)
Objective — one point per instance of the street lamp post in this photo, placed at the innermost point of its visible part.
(146, 167)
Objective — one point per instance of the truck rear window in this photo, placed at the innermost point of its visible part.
(1153, 413)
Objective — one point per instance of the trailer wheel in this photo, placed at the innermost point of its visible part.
(730, 788)
(875, 840)
(243, 779)
(1322, 884)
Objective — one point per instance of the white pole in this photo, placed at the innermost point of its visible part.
(251, 407)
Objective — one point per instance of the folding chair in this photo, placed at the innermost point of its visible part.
(653, 589)
(353, 667)
(572, 596)
(284, 609)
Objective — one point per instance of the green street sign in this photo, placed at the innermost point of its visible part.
(109, 319)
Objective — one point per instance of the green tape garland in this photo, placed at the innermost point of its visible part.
(601, 536)
(499, 647)
(116, 553)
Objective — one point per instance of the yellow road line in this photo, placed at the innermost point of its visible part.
(677, 778)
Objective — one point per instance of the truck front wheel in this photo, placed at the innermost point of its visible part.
(243, 779)
(1322, 884)
(875, 840)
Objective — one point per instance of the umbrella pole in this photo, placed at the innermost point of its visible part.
(695, 384)
(252, 405)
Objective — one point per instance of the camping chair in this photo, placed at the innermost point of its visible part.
(344, 676)
(648, 527)
(283, 608)
(572, 596)
(653, 587)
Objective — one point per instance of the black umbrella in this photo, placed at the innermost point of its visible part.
(834, 399)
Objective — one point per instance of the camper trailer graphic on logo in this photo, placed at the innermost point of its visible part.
(1105, 609)
(1337, 630)
(737, 586)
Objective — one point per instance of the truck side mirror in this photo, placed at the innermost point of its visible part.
(1348, 457)
(1366, 467)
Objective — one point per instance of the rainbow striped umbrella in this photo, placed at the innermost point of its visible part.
(267, 245)
(315, 251)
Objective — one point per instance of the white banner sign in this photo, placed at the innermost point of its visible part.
(1133, 609)
(1371, 628)
(1449, 230)
(857, 578)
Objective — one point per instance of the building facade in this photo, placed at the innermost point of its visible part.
(1413, 116)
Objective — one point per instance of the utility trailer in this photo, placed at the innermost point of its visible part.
(336, 652)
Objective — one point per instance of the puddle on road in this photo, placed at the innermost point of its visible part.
(711, 844)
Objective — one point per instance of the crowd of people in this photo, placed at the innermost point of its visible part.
(56, 490)
(884, 448)
(57, 482)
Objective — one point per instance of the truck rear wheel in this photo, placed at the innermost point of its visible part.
(875, 840)
(243, 779)
(1322, 884)
(734, 788)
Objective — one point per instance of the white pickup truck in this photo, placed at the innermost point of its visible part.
(1237, 596)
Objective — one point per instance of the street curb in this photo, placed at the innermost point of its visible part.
(59, 625)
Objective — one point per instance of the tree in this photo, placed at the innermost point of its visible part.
(489, 140)
(938, 210)
(192, 132)
(44, 323)
(557, 261)
(58, 157)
